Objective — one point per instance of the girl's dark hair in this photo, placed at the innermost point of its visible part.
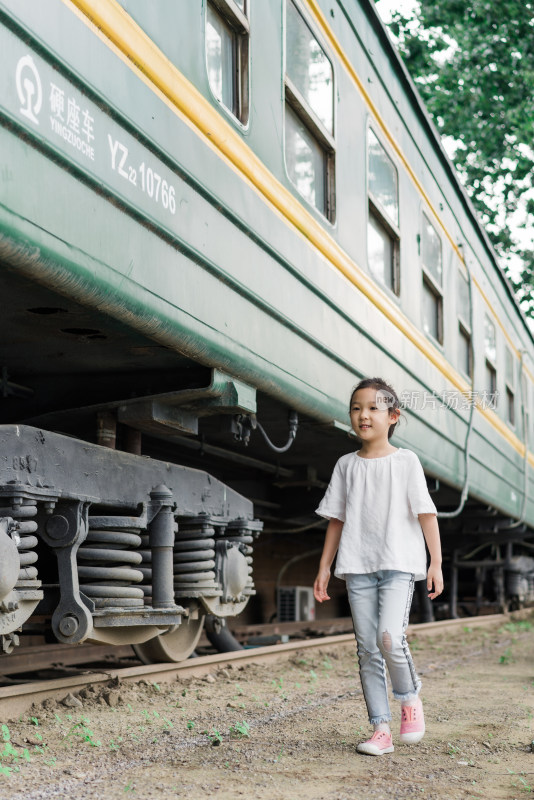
(392, 399)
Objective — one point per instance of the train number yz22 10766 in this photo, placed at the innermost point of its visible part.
(142, 176)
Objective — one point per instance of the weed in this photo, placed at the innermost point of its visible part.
(190, 725)
(114, 746)
(9, 754)
(34, 721)
(452, 750)
(240, 729)
(516, 627)
(83, 732)
(214, 736)
(156, 687)
(506, 657)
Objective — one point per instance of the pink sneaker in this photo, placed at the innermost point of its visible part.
(380, 742)
(412, 727)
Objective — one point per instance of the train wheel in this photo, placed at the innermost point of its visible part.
(174, 646)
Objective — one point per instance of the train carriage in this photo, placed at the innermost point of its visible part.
(215, 217)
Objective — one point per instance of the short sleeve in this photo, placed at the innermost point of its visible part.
(332, 506)
(418, 494)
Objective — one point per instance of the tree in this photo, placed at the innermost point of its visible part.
(473, 64)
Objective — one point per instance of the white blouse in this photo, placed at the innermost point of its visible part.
(379, 499)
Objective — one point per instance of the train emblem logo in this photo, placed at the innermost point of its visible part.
(29, 88)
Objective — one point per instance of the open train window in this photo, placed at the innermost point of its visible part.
(309, 115)
(227, 48)
(490, 348)
(510, 387)
(432, 300)
(465, 358)
(383, 236)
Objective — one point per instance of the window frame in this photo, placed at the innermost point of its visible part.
(240, 24)
(394, 236)
(464, 326)
(490, 362)
(309, 119)
(430, 280)
(510, 388)
(392, 229)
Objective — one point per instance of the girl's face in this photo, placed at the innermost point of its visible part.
(370, 415)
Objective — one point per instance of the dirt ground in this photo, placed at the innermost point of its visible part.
(288, 729)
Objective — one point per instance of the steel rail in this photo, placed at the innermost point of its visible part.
(16, 699)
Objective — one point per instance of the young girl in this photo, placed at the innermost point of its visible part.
(379, 509)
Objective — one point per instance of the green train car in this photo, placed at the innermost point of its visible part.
(215, 217)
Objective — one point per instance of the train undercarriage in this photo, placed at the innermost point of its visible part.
(109, 547)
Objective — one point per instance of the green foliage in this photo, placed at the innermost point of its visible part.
(473, 64)
(214, 736)
(516, 627)
(240, 729)
(506, 657)
(9, 756)
(81, 731)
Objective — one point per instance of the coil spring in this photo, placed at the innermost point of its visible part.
(109, 555)
(194, 558)
(23, 514)
(146, 568)
(239, 534)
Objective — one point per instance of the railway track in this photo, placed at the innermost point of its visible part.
(16, 698)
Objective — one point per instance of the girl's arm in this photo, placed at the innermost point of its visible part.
(331, 543)
(434, 578)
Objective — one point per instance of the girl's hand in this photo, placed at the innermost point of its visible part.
(434, 580)
(321, 584)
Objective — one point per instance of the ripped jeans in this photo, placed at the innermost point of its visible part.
(380, 604)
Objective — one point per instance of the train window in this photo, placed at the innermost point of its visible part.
(308, 68)
(491, 378)
(382, 229)
(525, 402)
(227, 46)
(309, 115)
(431, 257)
(464, 350)
(490, 347)
(382, 251)
(464, 326)
(305, 162)
(432, 311)
(383, 180)
(431, 251)
(510, 388)
(463, 300)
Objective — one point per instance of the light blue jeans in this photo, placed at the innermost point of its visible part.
(380, 604)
